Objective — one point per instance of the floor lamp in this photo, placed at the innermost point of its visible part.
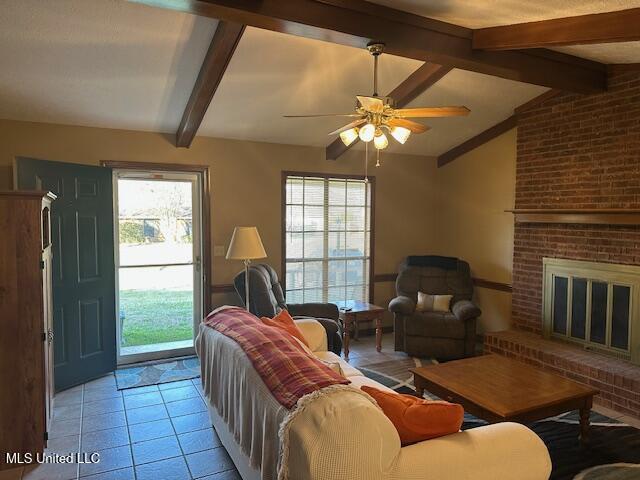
(246, 245)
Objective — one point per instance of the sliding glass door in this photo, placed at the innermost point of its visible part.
(158, 261)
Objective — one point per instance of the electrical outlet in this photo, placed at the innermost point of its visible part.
(218, 251)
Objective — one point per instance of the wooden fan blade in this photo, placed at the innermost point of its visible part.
(349, 126)
(371, 104)
(415, 127)
(432, 112)
(324, 115)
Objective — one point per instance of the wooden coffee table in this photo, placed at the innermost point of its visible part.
(497, 389)
(359, 312)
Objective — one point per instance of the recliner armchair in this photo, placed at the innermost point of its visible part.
(267, 300)
(441, 335)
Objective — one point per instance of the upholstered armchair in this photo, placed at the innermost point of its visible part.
(267, 299)
(441, 335)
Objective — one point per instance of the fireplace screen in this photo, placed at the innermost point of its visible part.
(593, 304)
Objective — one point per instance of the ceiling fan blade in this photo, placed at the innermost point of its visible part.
(324, 115)
(371, 104)
(349, 126)
(415, 127)
(432, 112)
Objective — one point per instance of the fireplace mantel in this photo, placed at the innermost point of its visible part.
(599, 216)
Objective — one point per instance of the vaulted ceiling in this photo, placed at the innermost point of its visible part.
(491, 13)
(115, 64)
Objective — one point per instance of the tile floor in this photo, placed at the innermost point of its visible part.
(160, 432)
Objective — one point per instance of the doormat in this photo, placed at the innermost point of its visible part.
(153, 374)
(613, 452)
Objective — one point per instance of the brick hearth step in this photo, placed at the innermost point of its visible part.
(617, 380)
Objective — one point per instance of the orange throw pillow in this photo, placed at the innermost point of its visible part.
(284, 321)
(417, 419)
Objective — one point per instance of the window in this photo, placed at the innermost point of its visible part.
(327, 229)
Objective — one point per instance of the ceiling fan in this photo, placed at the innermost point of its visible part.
(376, 114)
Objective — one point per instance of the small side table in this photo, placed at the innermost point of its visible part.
(359, 312)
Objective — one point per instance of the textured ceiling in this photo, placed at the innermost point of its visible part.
(623, 52)
(273, 74)
(115, 64)
(491, 13)
(104, 63)
(300, 76)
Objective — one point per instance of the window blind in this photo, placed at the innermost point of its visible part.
(327, 239)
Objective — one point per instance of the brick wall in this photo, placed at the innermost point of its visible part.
(576, 151)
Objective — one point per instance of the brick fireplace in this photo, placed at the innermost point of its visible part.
(576, 153)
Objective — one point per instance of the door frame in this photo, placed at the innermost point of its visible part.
(205, 233)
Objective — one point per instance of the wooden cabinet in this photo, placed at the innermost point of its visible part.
(26, 322)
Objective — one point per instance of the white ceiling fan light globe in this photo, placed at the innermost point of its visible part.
(349, 136)
(380, 141)
(367, 132)
(401, 134)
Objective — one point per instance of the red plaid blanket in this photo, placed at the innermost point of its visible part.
(289, 372)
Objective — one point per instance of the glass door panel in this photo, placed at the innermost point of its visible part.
(159, 281)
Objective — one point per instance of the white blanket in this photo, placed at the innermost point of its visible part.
(241, 398)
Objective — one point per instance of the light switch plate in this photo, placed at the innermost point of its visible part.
(218, 251)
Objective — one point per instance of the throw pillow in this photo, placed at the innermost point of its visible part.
(433, 303)
(417, 419)
(284, 321)
(335, 366)
(425, 302)
(303, 347)
(442, 303)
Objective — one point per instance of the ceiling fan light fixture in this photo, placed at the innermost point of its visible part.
(401, 134)
(380, 141)
(367, 132)
(349, 136)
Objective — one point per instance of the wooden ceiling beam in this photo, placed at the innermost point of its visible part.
(417, 83)
(609, 27)
(223, 45)
(408, 90)
(357, 22)
(480, 139)
(494, 131)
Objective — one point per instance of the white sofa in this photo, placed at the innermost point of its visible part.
(344, 436)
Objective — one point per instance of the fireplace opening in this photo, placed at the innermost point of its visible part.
(593, 304)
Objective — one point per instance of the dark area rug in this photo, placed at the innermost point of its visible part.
(153, 373)
(612, 454)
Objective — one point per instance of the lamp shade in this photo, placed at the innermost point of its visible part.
(245, 244)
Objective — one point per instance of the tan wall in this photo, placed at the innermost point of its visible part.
(246, 184)
(474, 192)
(457, 210)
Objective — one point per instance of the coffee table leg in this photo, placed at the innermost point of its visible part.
(356, 330)
(379, 334)
(585, 413)
(345, 336)
(419, 385)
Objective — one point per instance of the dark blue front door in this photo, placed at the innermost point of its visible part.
(83, 271)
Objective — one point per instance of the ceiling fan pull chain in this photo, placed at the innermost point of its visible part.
(377, 158)
(366, 162)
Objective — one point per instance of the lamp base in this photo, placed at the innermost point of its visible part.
(246, 283)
